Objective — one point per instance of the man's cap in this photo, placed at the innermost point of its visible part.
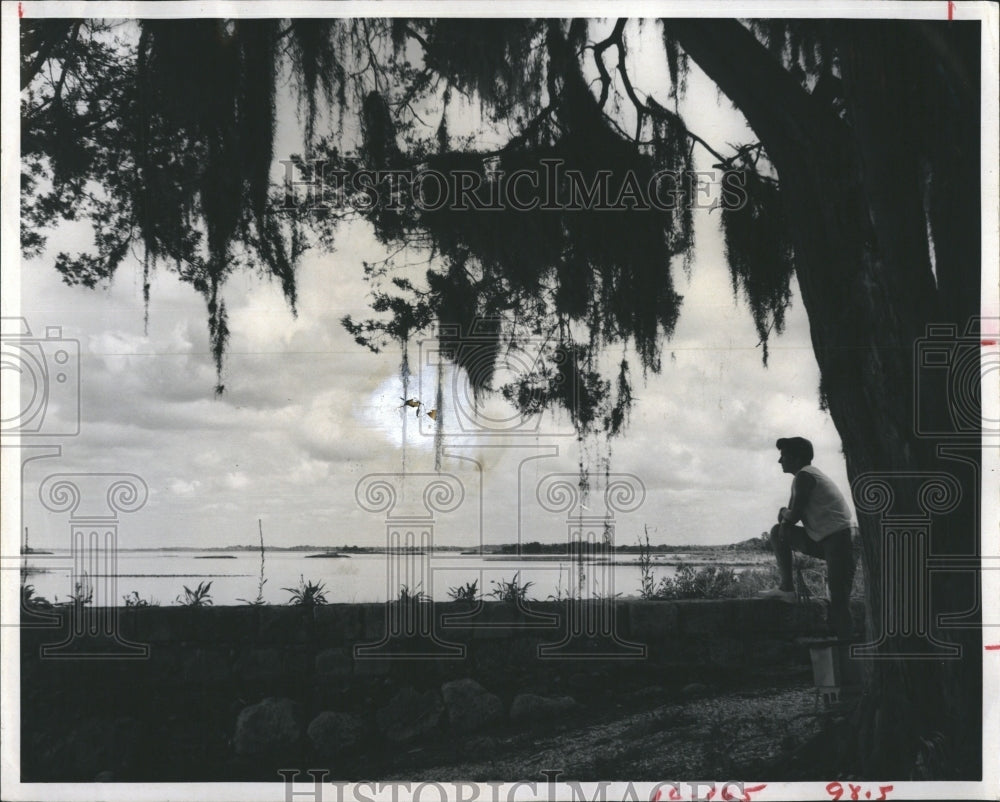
(798, 446)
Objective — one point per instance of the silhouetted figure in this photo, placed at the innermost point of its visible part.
(825, 532)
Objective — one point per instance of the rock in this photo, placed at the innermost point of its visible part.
(409, 714)
(470, 706)
(331, 733)
(270, 723)
(531, 708)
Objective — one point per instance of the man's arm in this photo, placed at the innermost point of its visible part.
(802, 488)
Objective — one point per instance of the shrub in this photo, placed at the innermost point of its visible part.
(709, 582)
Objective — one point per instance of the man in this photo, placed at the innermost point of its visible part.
(825, 532)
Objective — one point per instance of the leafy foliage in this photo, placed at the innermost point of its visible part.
(408, 595)
(469, 592)
(510, 590)
(199, 597)
(32, 602)
(307, 594)
(132, 599)
(161, 136)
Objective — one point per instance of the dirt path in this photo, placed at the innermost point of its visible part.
(708, 735)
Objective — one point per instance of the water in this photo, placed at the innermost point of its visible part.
(162, 575)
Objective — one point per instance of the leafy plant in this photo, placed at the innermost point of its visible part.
(510, 591)
(199, 597)
(307, 594)
(133, 599)
(32, 602)
(468, 592)
(83, 592)
(415, 596)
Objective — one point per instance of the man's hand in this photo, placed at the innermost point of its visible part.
(782, 513)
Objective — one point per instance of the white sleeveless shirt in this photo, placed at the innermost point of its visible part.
(826, 510)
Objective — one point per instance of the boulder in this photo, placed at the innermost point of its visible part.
(269, 724)
(527, 707)
(470, 706)
(409, 714)
(331, 733)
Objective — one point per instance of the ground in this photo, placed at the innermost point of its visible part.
(649, 734)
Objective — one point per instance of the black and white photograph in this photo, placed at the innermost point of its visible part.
(479, 401)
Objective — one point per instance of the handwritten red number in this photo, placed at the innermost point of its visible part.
(835, 789)
(753, 789)
(884, 790)
(855, 791)
(674, 794)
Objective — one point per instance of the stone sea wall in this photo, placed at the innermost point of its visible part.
(236, 693)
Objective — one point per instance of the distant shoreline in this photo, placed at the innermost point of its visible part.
(745, 552)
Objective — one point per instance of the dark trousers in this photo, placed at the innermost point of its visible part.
(838, 553)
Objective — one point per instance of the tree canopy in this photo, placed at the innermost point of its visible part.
(863, 180)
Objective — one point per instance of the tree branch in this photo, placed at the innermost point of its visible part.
(617, 39)
(779, 110)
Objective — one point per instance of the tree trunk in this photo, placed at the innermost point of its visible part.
(853, 199)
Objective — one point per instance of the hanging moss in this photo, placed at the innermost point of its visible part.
(759, 256)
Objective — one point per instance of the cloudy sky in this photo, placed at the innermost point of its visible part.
(307, 413)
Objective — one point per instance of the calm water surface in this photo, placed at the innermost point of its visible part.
(162, 575)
